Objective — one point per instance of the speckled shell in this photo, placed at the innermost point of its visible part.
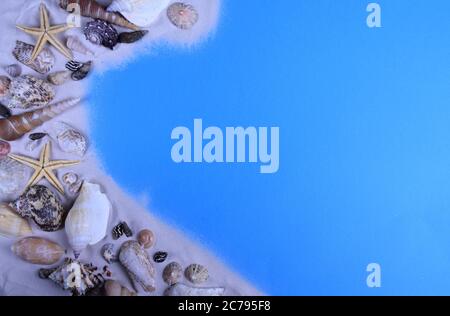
(26, 91)
(180, 289)
(146, 238)
(38, 250)
(196, 273)
(41, 205)
(137, 263)
(69, 139)
(12, 177)
(172, 273)
(59, 78)
(99, 32)
(11, 224)
(43, 63)
(114, 288)
(14, 70)
(5, 85)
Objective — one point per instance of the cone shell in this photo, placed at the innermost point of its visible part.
(73, 43)
(59, 78)
(16, 126)
(140, 12)
(26, 91)
(114, 288)
(11, 224)
(38, 250)
(180, 289)
(43, 63)
(91, 9)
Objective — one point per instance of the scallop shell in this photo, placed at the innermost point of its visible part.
(59, 78)
(76, 45)
(14, 70)
(140, 12)
(38, 250)
(180, 289)
(182, 15)
(137, 263)
(100, 32)
(11, 224)
(5, 85)
(26, 91)
(172, 273)
(41, 205)
(114, 288)
(43, 63)
(146, 238)
(131, 37)
(5, 149)
(196, 273)
(69, 139)
(12, 176)
(87, 221)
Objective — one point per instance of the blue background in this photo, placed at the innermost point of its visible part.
(364, 117)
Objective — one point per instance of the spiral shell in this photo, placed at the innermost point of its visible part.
(43, 63)
(13, 70)
(100, 32)
(196, 273)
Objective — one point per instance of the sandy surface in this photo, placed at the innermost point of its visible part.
(20, 278)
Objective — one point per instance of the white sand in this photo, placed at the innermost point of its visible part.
(20, 278)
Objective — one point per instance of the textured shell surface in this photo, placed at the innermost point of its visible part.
(74, 44)
(5, 85)
(60, 77)
(41, 205)
(180, 289)
(137, 263)
(43, 63)
(38, 250)
(196, 273)
(26, 91)
(13, 70)
(69, 139)
(100, 32)
(11, 224)
(109, 253)
(140, 12)
(70, 178)
(182, 15)
(12, 176)
(146, 238)
(82, 73)
(87, 221)
(172, 273)
(114, 288)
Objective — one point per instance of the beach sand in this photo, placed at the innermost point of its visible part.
(18, 277)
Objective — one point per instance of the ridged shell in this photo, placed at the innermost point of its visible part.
(41, 205)
(38, 250)
(131, 37)
(11, 224)
(146, 238)
(43, 63)
(76, 45)
(182, 15)
(180, 289)
(87, 221)
(26, 91)
(172, 273)
(100, 32)
(5, 85)
(196, 273)
(114, 288)
(140, 12)
(137, 263)
(69, 139)
(12, 177)
(59, 78)
(14, 70)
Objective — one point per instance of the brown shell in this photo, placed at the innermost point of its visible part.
(38, 250)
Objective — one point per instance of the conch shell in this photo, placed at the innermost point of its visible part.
(87, 221)
(11, 224)
(180, 289)
(114, 288)
(38, 250)
(16, 126)
(139, 12)
(91, 9)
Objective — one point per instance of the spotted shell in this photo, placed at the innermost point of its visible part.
(172, 273)
(26, 91)
(196, 273)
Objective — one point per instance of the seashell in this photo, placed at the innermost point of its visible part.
(69, 139)
(16, 126)
(137, 263)
(108, 253)
(74, 65)
(43, 63)
(114, 288)
(12, 176)
(59, 78)
(70, 178)
(11, 224)
(91, 9)
(42, 206)
(180, 289)
(38, 250)
(82, 73)
(146, 238)
(33, 144)
(99, 32)
(5, 149)
(37, 136)
(131, 37)
(75, 44)
(78, 278)
(160, 256)
(139, 12)
(26, 91)
(13, 70)
(75, 188)
(182, 15)
(5, 85)
(4, 111)
(172, 273)
(87, 221)
(196, 273)
(120, 229)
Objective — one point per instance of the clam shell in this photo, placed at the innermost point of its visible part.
(100, 32)
(14, 70)
(11, 224)
(41, 205)
(180, 289)
(196, 273)
(137, 263)
(140, 12)
(69, 139)
(5, 148)
(5, 85)
(172, 273)
(26, 91)
(109, 253)
(146, 238)
(38, 250)
(131, 37)
(74, 44)
(182, 15)
(114, 288)
(43, 63)
(59, 78)
(12, 176)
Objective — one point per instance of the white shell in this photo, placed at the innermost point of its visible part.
(180, 289)
(12, 177)
(14, 70)
(69, 139)
(59, 78)
(87, 221)
(140, 12)
(73, 43)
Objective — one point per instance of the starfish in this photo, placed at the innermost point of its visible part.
(43, 168)
(46, 33)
